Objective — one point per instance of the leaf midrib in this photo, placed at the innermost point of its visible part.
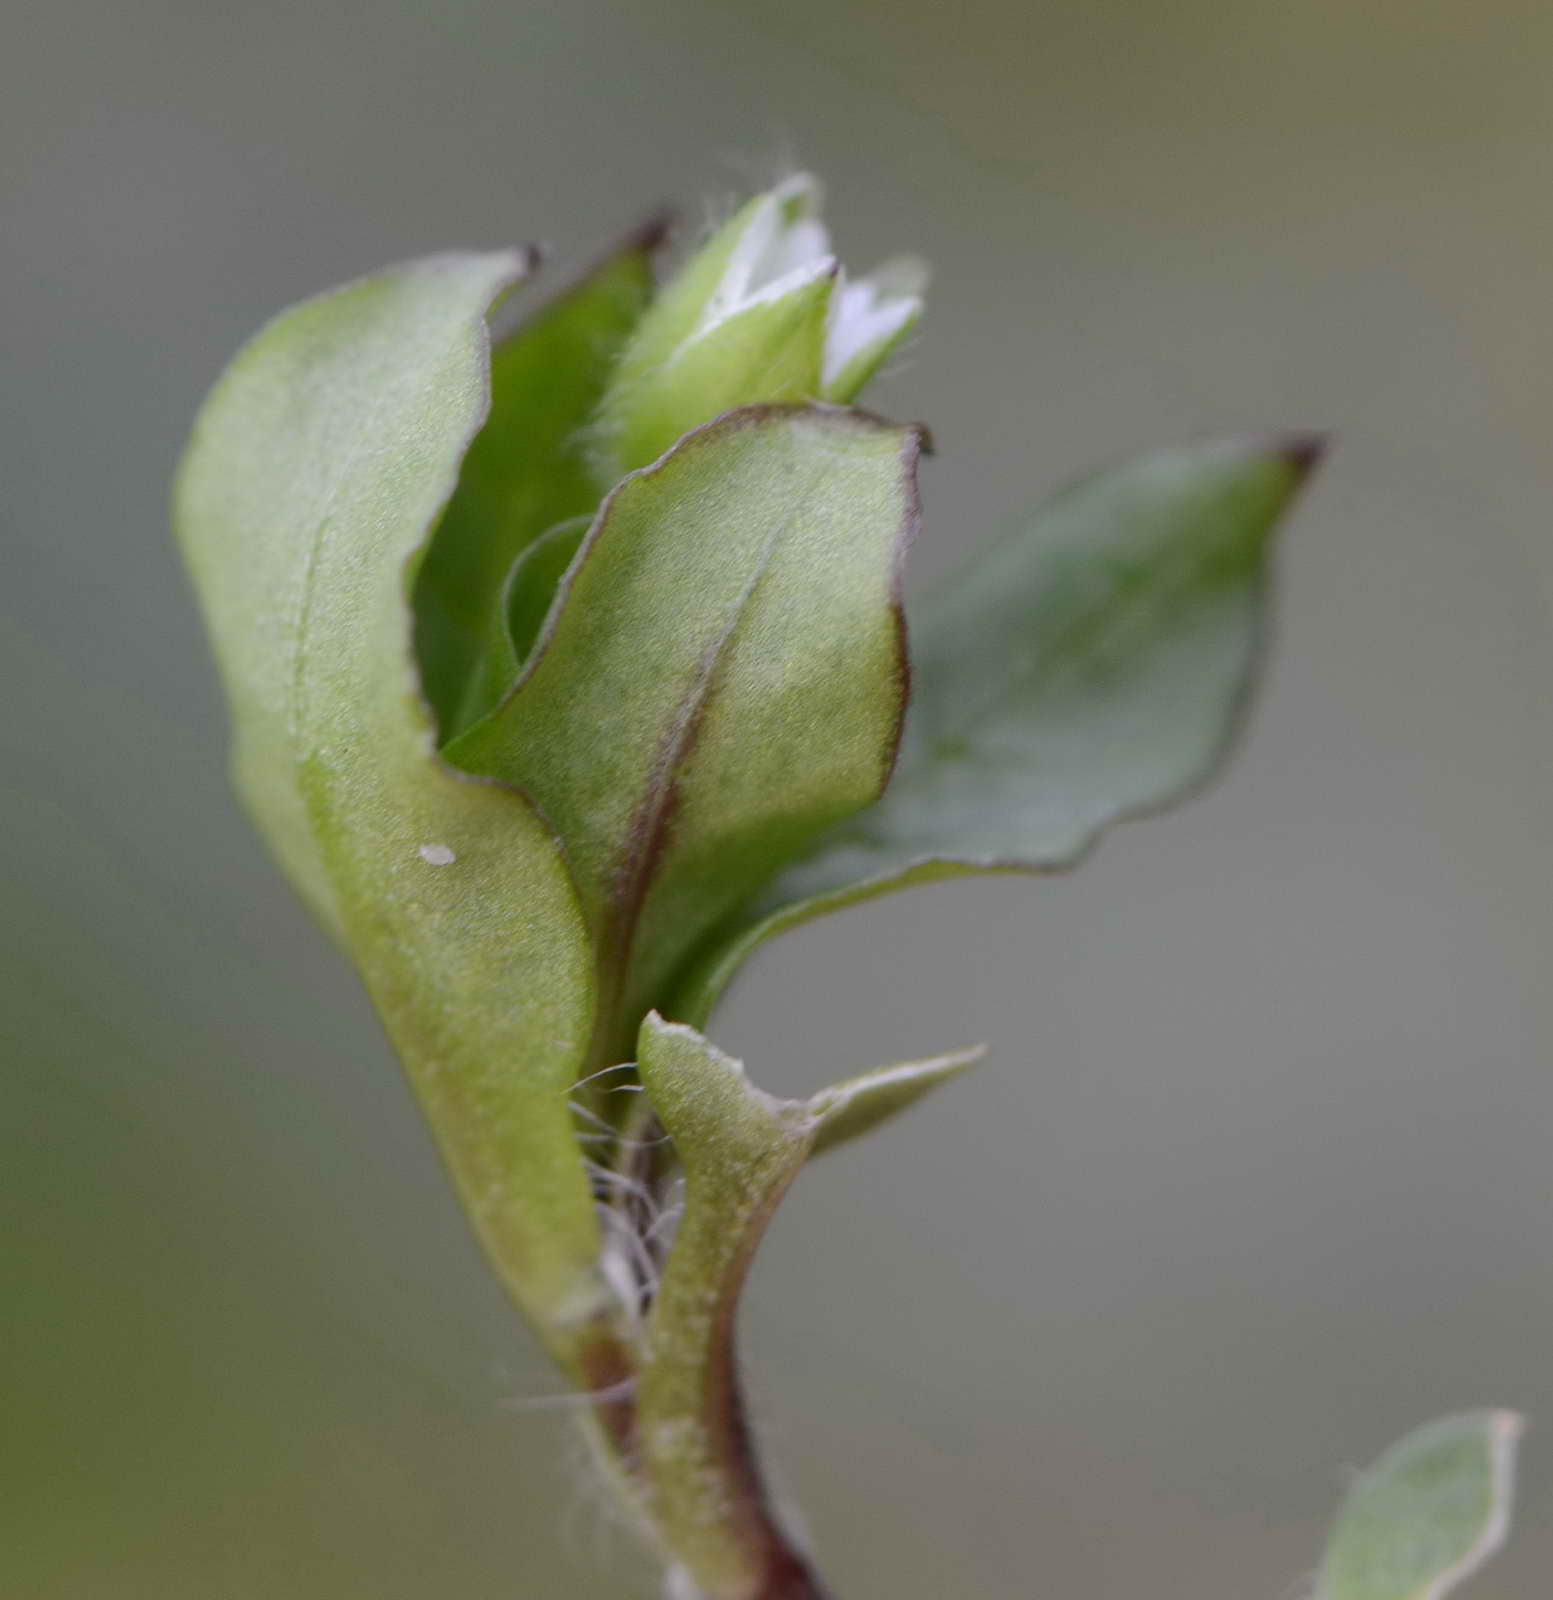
(645, 841)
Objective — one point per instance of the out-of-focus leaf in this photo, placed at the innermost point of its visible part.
(529, 468)
(720, 681)
(1092, 668)
(1428, 1514)
(318, 466)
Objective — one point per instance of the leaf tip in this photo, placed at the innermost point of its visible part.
(1303, 451)
(653, 233)
(847, 1110)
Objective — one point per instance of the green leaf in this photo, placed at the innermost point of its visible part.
(1428, 1514)
(721, 679)
(1092, 668)
(740, 1149)
(317, 468)
(529, 469)
(859, 1105)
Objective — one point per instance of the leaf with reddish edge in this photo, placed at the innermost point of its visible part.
(720, 680)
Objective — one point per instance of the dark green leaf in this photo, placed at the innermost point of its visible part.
(1092, 668)
(529, 468)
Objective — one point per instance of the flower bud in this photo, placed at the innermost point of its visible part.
(762, 313)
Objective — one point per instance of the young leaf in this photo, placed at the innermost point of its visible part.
(720, 681)
(1428, 1514)
(318, 466)
(528, 469)
(1092, 668)
(740, 1149)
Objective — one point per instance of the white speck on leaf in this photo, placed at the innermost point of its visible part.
(437, 855)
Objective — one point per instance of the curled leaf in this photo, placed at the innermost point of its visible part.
(317, 469)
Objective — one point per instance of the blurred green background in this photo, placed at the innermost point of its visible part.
(1261, 1172)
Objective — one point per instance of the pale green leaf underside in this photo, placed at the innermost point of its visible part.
(1091, 668)
(720, 680)
(317, 467)
(1428, 1514)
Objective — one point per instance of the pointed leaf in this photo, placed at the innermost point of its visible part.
(859, 1105)
(528, 469)
(729, 640)
(1428, 1514)
(1092, 668)
(317, 468)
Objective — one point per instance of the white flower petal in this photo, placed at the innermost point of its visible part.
(870, 316)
